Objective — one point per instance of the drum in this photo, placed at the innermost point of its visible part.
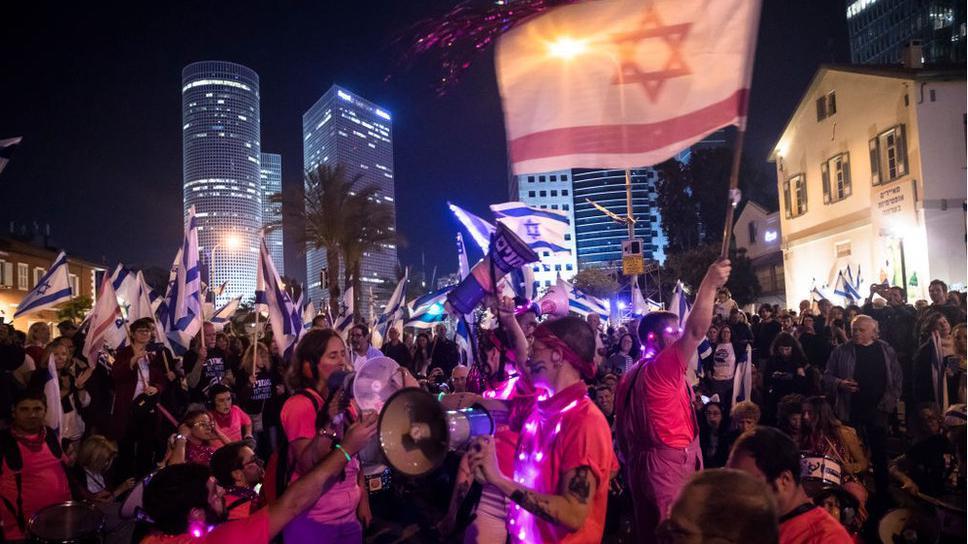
(66, 523)
(819, 471)
(907, 525)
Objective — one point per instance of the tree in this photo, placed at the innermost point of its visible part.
(596, 282)
(690, 268)
(75, 309)
(369, 226)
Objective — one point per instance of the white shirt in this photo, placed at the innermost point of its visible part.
(724, 362)
(143, 377)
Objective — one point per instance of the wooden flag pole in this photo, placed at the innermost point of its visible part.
(734, 193)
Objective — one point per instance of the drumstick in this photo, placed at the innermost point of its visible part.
(939, 503)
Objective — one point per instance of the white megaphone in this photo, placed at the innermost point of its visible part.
(416, 431)
(554, 302)
(506, 253)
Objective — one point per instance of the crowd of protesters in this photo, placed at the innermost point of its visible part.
(617, 433)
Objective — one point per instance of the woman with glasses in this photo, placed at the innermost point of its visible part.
(197, 439)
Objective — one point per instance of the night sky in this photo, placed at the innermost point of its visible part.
(94, 89)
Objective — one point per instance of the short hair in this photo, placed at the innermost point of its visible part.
(173, 492)
(310, 350)
(34, 391)
(225, 460)
(653, 323)
(943, 285)
(737, 507)
(746, 408)
(218, 389)
(576, 333)
(320, 320)
(34, 330)
(190, 416)
(773, 451)
(362, 328)
(66, 324)
(143, 323)
(789, 405)
(96, 452)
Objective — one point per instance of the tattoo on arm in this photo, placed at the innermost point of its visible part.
(533, 503)
(579, 486)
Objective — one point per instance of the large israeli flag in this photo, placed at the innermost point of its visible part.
(106, 330)
(540, 229)
(582, 303)
(284, 317)
(679, 304)
(53, 288)
(394, 306)
(843, 288)
(479, 229)
(428, 310)
(345, 320)
(222, 316)
(185, 300)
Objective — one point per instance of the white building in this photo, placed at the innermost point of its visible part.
(757, 231)
(551, 191)
(871, 175)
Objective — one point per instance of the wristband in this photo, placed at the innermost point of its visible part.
(345, 454)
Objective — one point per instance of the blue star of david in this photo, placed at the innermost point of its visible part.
(43, 287)
(119, 322)
(579, 295)
(532, 229)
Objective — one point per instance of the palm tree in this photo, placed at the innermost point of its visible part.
(325, 214)
(369, 226)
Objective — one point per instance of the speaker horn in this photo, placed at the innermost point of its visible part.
(506, 253)
(416, 432)
(554, 302)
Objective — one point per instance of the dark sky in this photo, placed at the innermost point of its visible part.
(94, 89)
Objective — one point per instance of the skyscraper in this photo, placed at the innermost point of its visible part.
(551, 190)
(221, 150)
(270, 175)
(599, 238)
(880, 29)
(343, 128)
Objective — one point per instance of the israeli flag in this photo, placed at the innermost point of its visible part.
(308, 314)
(479, 229)
(817, 295)
(284, 317)
(52, 392)
(394, 306)
(106, 330)
(223, 315)
(852, 284)
(679, 304)
(345, 320)
(540, 229)
(844, 289)
(582, 303)
(428, 310)
(463, 269)
(465, 340)
(127, 289)
(53, 288)
(185, 301)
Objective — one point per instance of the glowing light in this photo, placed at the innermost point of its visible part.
(521, 535)
(622, 305)
(570, 405)
(567, 48)
(558, 428)
(521, 456)
(344, 96)
(539, 456)
(383, 114)
(232, 241)
(769, 235)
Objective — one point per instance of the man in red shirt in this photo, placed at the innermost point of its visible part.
(771, 456)
(238, 470)
(184, 500)
(564, 458)
(32, 474)
(654, 419)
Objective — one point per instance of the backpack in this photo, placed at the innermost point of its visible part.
(10, 453)
(278, 471)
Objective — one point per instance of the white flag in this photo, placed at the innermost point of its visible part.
(623, 83)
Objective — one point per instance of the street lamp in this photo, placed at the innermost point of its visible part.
(230, 242)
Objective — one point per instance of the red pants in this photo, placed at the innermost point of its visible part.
(655, 476)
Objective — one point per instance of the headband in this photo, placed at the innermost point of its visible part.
(586, 368)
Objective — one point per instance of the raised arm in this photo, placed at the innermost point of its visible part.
(701, 315)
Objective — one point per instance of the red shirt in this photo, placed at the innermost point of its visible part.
(231, 423)
(251, 530)
(565, 432)
(44, 482)
(662, 393)
(814, 526)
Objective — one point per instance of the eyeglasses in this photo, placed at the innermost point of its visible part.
(207, 424)
(254, 461)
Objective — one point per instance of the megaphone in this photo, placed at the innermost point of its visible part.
(416, 432)
(554, 302)
(506, 253)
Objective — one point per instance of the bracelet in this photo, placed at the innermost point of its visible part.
(345, 454)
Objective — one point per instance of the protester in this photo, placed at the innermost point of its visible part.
(38, 336)
(421, 356)
(712, 435)
(935, 363)
(205, 364)
(197, 439)
(655, 421)
(458, 379)
(32, 474)
(959, 373)
(723, 372)
(930, 465)
(766, 331)
(565, 459)
(360, 342)
(788, 371)
(229, 419)
(721, 506)
(625, 354)
(774, 458)
(261, 391)
(91, 475)
(938, 291)
(443, 351)
(395, 349)
(238, 470)
(724, 303)
(74, 398)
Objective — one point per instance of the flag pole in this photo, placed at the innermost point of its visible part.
(734, 193)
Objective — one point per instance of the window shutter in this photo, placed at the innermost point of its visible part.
(786, 199)
(901, 151)
(7, 275)
(845, 158)
(825, 178)
(831, 104)
(801, 194)
(821, 108)
(875, 163)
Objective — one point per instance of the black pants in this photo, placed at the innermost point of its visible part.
(873, 430)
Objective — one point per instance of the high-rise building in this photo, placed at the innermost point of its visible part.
(221, 150)
(343, 128)
(551, 191)
(881, 29)
(270, 175)
(598, 237)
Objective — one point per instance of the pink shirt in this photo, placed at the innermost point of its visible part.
(231, 423)
(565, 432)
(662, 393)
(44, 483)
(815, 526)
(299, 421)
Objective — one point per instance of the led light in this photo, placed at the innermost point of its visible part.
(769, 235)
(343, 95)
(567, 47)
